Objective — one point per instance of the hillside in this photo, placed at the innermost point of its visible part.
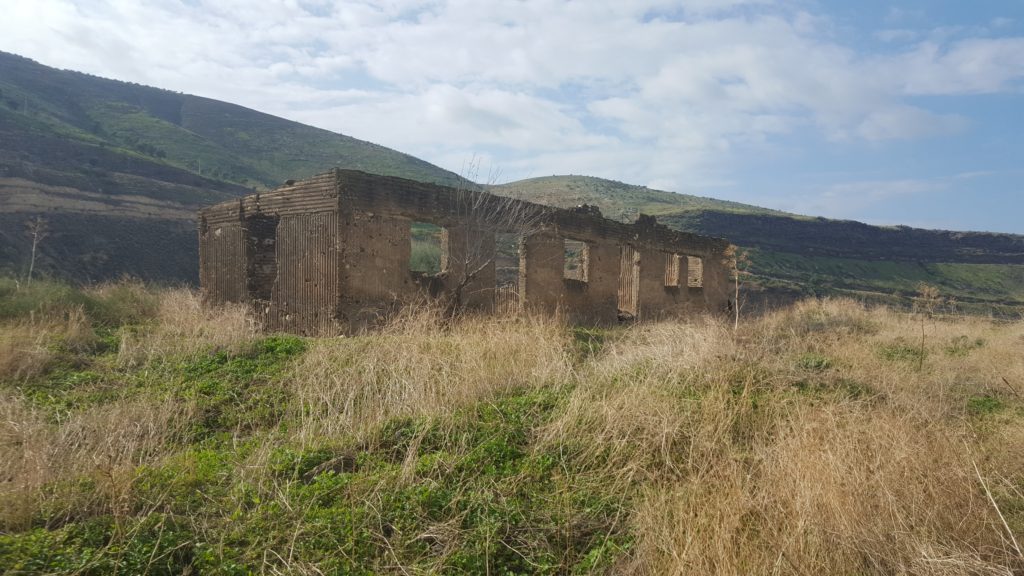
(119, 169)
(794, 255)
(617, 200)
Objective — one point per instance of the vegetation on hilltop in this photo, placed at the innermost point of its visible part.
(794, 256)
(142, 433)
(223, 141)
(617, 200)
(967, 283)
(848, 239)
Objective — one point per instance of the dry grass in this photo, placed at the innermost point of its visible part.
(866, 468)
(637, 406)
(824, 439)
(29, 345)
(183, 326)
(82, 466)
(420, 365)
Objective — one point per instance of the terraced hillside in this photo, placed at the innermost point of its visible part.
(119, 169)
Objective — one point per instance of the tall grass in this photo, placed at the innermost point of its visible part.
(183, 326)
(28, 346)
(821, 439)
(109, 304)
(83, 466)
(420, 365)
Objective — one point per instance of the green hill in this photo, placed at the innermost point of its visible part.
(793, 256)
(119, 169)
(616, 200)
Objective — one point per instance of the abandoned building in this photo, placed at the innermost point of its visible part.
(338, 252)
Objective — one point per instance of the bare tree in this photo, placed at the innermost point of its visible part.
(738, 261)
(481, 215)
(37, 229)
(927, 300)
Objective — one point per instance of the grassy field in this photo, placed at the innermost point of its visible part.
(141, 433)
(978, 288)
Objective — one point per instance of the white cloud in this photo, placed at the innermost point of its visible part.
(1001, 22)
(849, 199)
(651, 91)
(907, 122)
(971, 66)
(897, 35)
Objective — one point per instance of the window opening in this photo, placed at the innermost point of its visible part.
(673, 263)
(629, 283)
(506, 259)
(577, 260)
(425, 254)
(695, 272)
(506, 272)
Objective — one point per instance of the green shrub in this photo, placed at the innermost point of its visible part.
(287, 462)
(156, 544)
(425, 257)
(237, 392)
(41, 297)
(121, 303)
(110, 305)
(983, 405)
(186, 482)
(963, 345)
(814, 361)
(821, 319)
(588, 342)
(901, 351)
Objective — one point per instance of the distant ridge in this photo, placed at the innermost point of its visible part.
(120, 169)
(795, 255)
(616, 199)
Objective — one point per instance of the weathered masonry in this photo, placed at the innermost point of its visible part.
(334, 253)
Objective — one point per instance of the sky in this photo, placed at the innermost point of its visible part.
(907, 112)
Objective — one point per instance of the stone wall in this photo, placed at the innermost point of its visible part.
(331, 254)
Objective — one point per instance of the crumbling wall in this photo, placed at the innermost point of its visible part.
(468, 266)
(375, 266)
(629, 283)
(656, 299)
(260, 237)
(305, 291)
(222, 257)
(542, 260)
(332, 253)
(595, 300)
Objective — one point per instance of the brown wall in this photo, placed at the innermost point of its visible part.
(332, 253)
(596, 300)
(542, 259)
(304, 297)
(374, 266)
(222, 261)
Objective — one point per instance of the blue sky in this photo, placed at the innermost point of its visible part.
(905, 112)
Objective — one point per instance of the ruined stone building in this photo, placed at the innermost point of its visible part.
(335, 253)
